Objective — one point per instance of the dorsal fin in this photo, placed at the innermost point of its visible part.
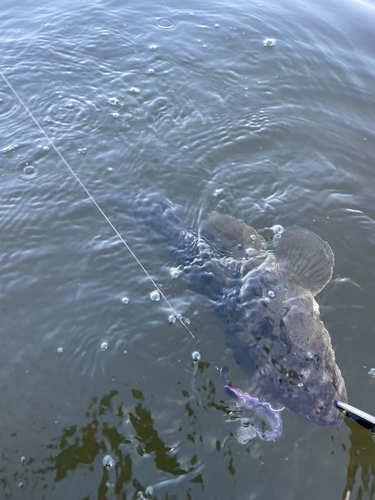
(307, 257)
(230, 236)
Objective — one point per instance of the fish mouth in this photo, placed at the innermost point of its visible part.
(330, 414)
(334, 416)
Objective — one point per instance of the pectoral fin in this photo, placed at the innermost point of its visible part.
(306, 257)
(230, 237)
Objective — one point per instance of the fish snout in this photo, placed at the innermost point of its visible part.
(326, 410)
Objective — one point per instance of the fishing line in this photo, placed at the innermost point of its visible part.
(94, 201)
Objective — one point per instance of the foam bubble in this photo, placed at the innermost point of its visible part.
(108, 461)
(269, 42)
(175, 273)
(155, 296)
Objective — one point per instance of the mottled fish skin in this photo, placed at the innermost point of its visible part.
(264, 335)
(273, 324)
(266, 301)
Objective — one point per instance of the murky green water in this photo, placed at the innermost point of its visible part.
(197, 109)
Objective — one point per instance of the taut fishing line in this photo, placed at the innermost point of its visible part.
(93, 200)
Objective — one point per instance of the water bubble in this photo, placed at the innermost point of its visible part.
(60, 350)
(266, 299)
(217, 25)
(155, 295)
(277, 229)
(29, 170)
(372, 372)
(309, 354)
(113, 101)
(217, 192)
(149, 490)
(125, 351)
(187, 321)
(69, 105)
(82, 151)
(125, 300)
(108, 461)
(175, 273)
(253, 237)
(172, 319)
(153, 47)
(196, 355)
(151, 71)
(115, 115)
(110, 169)
(135, 90)
(165, 23)
(104, 346)
(8, 149)
(23, 460)
(20, 484)
(271, 294)
(249, 251)
(269, 42)
(46, 148)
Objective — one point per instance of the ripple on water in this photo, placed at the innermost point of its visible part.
(29, 170)
(165, 23)
(195, 136)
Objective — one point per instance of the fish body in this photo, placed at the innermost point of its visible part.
(266, 301)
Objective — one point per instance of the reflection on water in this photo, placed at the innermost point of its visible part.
(88, 445)
(360, 479)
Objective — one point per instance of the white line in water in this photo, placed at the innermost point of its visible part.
(92, 199)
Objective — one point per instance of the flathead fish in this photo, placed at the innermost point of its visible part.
(266, 301)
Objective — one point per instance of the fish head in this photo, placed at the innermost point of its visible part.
(313, 380)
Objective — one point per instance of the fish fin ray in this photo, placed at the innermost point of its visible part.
(305, 256)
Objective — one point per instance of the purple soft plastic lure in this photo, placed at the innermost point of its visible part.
(259, 406)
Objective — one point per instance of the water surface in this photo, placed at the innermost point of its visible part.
(196, 109)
